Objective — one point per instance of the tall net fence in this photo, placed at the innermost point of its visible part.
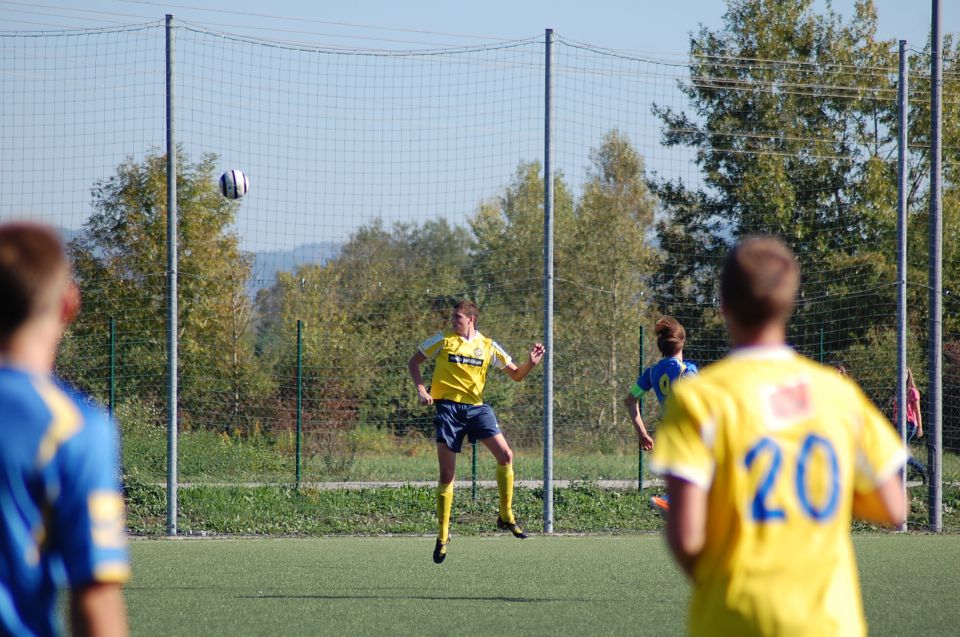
(387, 185)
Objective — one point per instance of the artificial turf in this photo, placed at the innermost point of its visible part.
(567, 585)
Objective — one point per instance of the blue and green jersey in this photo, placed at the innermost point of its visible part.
(660, 376)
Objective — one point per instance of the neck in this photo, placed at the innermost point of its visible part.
(33, 348)
(774, 335)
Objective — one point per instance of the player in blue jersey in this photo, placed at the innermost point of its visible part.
(659, 377)
(61, 512)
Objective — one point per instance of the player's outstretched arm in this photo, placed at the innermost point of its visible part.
(98, 610)
(413, 366)
(633, 410)
(884, 505)
(686, 522)
(519, 373)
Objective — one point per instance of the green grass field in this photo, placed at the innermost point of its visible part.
(572, 585)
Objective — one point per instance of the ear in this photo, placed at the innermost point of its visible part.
(70, 303)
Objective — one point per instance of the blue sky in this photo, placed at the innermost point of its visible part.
(648, 25)
(355, 138)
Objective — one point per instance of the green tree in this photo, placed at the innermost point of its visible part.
(120, 263)
(506, 279)
(792, 127)
(364, 312)
(604, 271)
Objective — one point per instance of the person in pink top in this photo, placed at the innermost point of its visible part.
(914, 421)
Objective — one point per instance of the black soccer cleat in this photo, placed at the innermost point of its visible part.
(513, 527)
(440, 551)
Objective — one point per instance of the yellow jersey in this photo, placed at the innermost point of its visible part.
(780, 444)
(462, 364)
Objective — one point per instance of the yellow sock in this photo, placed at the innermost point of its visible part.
(505, 487)
(444, 504)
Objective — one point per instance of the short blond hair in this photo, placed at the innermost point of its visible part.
(759, 281)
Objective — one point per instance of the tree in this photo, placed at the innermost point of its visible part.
(506, 279)
(120, 263)
(792, 127)
(364, 313)
(604, 272)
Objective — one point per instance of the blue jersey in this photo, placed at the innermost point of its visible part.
(62, 512)
(660, 376)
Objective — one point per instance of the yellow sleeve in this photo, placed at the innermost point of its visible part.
(880, 451)
(683, 446)
(431, 347)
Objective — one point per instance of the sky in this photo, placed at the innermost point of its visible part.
(402, 139)
(641, 25)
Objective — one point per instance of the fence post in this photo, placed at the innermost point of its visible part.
(935, 277)
(474, 471)
(902, 175)
(548, 289)
(821, 345)
(640, 407)
(171, 290)
(299, 451)
(112, 393)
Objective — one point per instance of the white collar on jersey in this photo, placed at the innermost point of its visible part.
(476, 334)
(763, 352)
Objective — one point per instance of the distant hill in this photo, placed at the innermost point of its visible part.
(67, 234)
(267, 264)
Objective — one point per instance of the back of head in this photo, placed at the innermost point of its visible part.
(759, 281)
(32, 266)
(670, 336)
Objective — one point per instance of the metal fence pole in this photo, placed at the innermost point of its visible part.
(112, 392)
(935, 276)
(299, 451)
(902, 175)
(548, 290)
(171, 291)
(821, 345)
(473, 472)
(640, 407)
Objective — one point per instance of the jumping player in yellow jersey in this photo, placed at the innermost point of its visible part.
(767, 457)
(463, 357)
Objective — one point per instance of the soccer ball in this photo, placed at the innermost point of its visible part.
(234, 184)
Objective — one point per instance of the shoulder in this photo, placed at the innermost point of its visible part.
(96, 429)
(438, 338)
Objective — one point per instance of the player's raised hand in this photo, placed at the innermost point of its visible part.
(537, 352)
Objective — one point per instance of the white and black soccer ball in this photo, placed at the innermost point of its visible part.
(234, 184)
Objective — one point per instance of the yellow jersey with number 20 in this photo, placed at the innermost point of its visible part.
(780, 444)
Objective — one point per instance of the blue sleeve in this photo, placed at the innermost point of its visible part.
(644, 381)
(691, 369)
(88, 526)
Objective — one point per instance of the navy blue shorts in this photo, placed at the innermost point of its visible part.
(456, 420)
